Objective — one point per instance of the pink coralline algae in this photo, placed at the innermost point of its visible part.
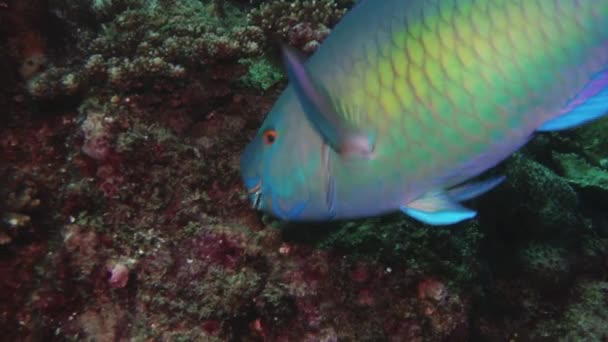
(97, 136)
(431, 289)
(119, 276)
(305, 36)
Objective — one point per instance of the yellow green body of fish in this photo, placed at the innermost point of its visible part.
(406, 100)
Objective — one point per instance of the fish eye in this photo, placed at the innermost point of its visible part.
(270, 136)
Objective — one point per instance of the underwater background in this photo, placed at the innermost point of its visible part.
(123, 215)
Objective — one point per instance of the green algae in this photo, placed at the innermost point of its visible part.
(581, 173)
(584, 317)
(396, 240)
(545, 262)
(262, 74)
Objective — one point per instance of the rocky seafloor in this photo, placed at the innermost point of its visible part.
(123, 216)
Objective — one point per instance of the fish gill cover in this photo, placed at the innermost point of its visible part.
(123, 215)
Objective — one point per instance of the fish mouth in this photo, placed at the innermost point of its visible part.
(269, 202)
(255, 195)
(256, 200)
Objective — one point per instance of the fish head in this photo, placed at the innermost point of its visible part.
(283, 167)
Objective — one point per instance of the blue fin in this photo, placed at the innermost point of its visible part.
(318, 107)
(471, 190)
(437, 208)
(442, 207)
(590, 104)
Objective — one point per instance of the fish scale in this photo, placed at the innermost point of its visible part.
(442, 90)
(422, 48)
(475, 54)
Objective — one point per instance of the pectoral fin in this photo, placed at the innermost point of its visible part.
(318, 108)
(436, 208)
(442, 207)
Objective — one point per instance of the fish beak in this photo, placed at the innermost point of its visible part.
(256, 199)
(255, 196)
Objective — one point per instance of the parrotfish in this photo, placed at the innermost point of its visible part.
(407, 101)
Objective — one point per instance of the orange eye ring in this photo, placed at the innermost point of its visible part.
(270, 136)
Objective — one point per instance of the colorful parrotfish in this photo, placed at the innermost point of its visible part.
(408, 99)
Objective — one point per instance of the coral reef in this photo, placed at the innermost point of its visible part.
(584, 317)
(23, 23)
(141, 43)
(123, 216)
(551, 203)
(536, 251)
(301, 24)
(145, 43)
(19, 201)
(580, 173)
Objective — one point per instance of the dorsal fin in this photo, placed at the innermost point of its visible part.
(339, 134)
